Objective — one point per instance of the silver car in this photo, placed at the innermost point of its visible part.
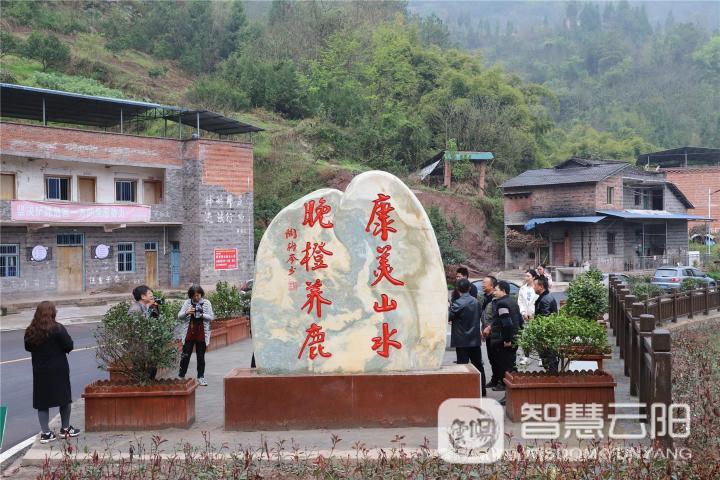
(672, 277)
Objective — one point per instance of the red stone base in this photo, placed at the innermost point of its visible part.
(256, 401)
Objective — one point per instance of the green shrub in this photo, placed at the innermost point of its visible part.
(587, 297)
(549, 337)
(714, 275)
(595, 274)
(446, 233)
(692, 284)
(134, 345)
(644, 290)
(157, 71)
(69, 83)
(227, 301)
(218, 94)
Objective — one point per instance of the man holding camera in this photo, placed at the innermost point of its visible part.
(194, 330)
(145, 303)
(148, 306)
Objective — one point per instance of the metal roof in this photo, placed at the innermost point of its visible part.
(212, 122)
(681, 157)
(591, 173)
(650, 215)
(538, 221)
(46, 105)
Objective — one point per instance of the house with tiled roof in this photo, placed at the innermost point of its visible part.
(606, 214)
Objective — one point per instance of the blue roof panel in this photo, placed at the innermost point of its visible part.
(537, 221)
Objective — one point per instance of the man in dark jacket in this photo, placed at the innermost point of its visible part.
(486, 306)
(461, 273)
(464, 314)
(545, 303)
(506, 324)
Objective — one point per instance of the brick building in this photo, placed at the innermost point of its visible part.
(696, 172)
(600, 213)
(85, 209)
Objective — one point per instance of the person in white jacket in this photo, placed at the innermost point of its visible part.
(526, 302)
(194, 330)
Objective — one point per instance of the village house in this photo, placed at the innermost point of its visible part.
(88, 204)
(605, 214)
(696, 172)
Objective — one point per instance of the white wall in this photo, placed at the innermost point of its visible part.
(30, 177)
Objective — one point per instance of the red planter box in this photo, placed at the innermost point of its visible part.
(125, 406)
(541, 388)
(257, 401)
(229, 331)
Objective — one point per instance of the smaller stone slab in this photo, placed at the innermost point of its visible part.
(257, 401)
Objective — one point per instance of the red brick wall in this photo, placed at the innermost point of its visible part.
(37, 141)
(551, 201)
(694, 183)
(228, 165)
(601, 194)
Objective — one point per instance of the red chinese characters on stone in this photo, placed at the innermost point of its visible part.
(316, 253)
(380, 215)
(386, 306)
(292, 285)
(315, 214)
(382, 345)
(314, 341)
(291, 233)
(314, 298)
(384, 269)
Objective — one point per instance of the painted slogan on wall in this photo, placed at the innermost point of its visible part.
(350, 282)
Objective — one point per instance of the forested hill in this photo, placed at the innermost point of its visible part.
(650, 69)
(344, 86)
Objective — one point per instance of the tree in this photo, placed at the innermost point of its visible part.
(8, 43)
(434, 32)
(709, 55)
(47, 49)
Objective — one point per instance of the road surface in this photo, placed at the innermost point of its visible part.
(16, 382)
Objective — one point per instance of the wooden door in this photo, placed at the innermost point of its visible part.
(152, 193)
(70, 269)
(86, 190)
(151, 268)
(558, 250)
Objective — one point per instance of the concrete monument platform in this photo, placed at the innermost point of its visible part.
(261, 401)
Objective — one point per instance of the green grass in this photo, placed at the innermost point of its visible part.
(20, 67)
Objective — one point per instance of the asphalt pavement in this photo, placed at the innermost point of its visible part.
(16, 381)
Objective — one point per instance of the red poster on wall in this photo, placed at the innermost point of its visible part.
(226, 259)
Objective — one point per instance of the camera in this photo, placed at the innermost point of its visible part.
(198, 311)
(160, 301)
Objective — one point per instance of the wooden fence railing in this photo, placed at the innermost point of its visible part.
(646, 349)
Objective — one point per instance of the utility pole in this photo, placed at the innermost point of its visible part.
(707, 237)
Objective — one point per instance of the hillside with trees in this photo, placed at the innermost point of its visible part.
(348, 86)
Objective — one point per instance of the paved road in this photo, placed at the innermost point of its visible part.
(16, 382)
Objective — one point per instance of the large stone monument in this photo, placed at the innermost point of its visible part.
(349, 314)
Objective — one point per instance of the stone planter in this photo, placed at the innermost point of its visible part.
(541, 388)
(125, 406)
(225, 332)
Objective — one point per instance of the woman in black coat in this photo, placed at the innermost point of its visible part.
(49, 343)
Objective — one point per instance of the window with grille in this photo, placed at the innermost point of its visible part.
(57, 188)
(125, 257)
(9, 260)
(125, 191)
(151, 246)
(70, 239)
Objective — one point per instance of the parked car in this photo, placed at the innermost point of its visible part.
(672, 277)
(606, 278)
(247, 286)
